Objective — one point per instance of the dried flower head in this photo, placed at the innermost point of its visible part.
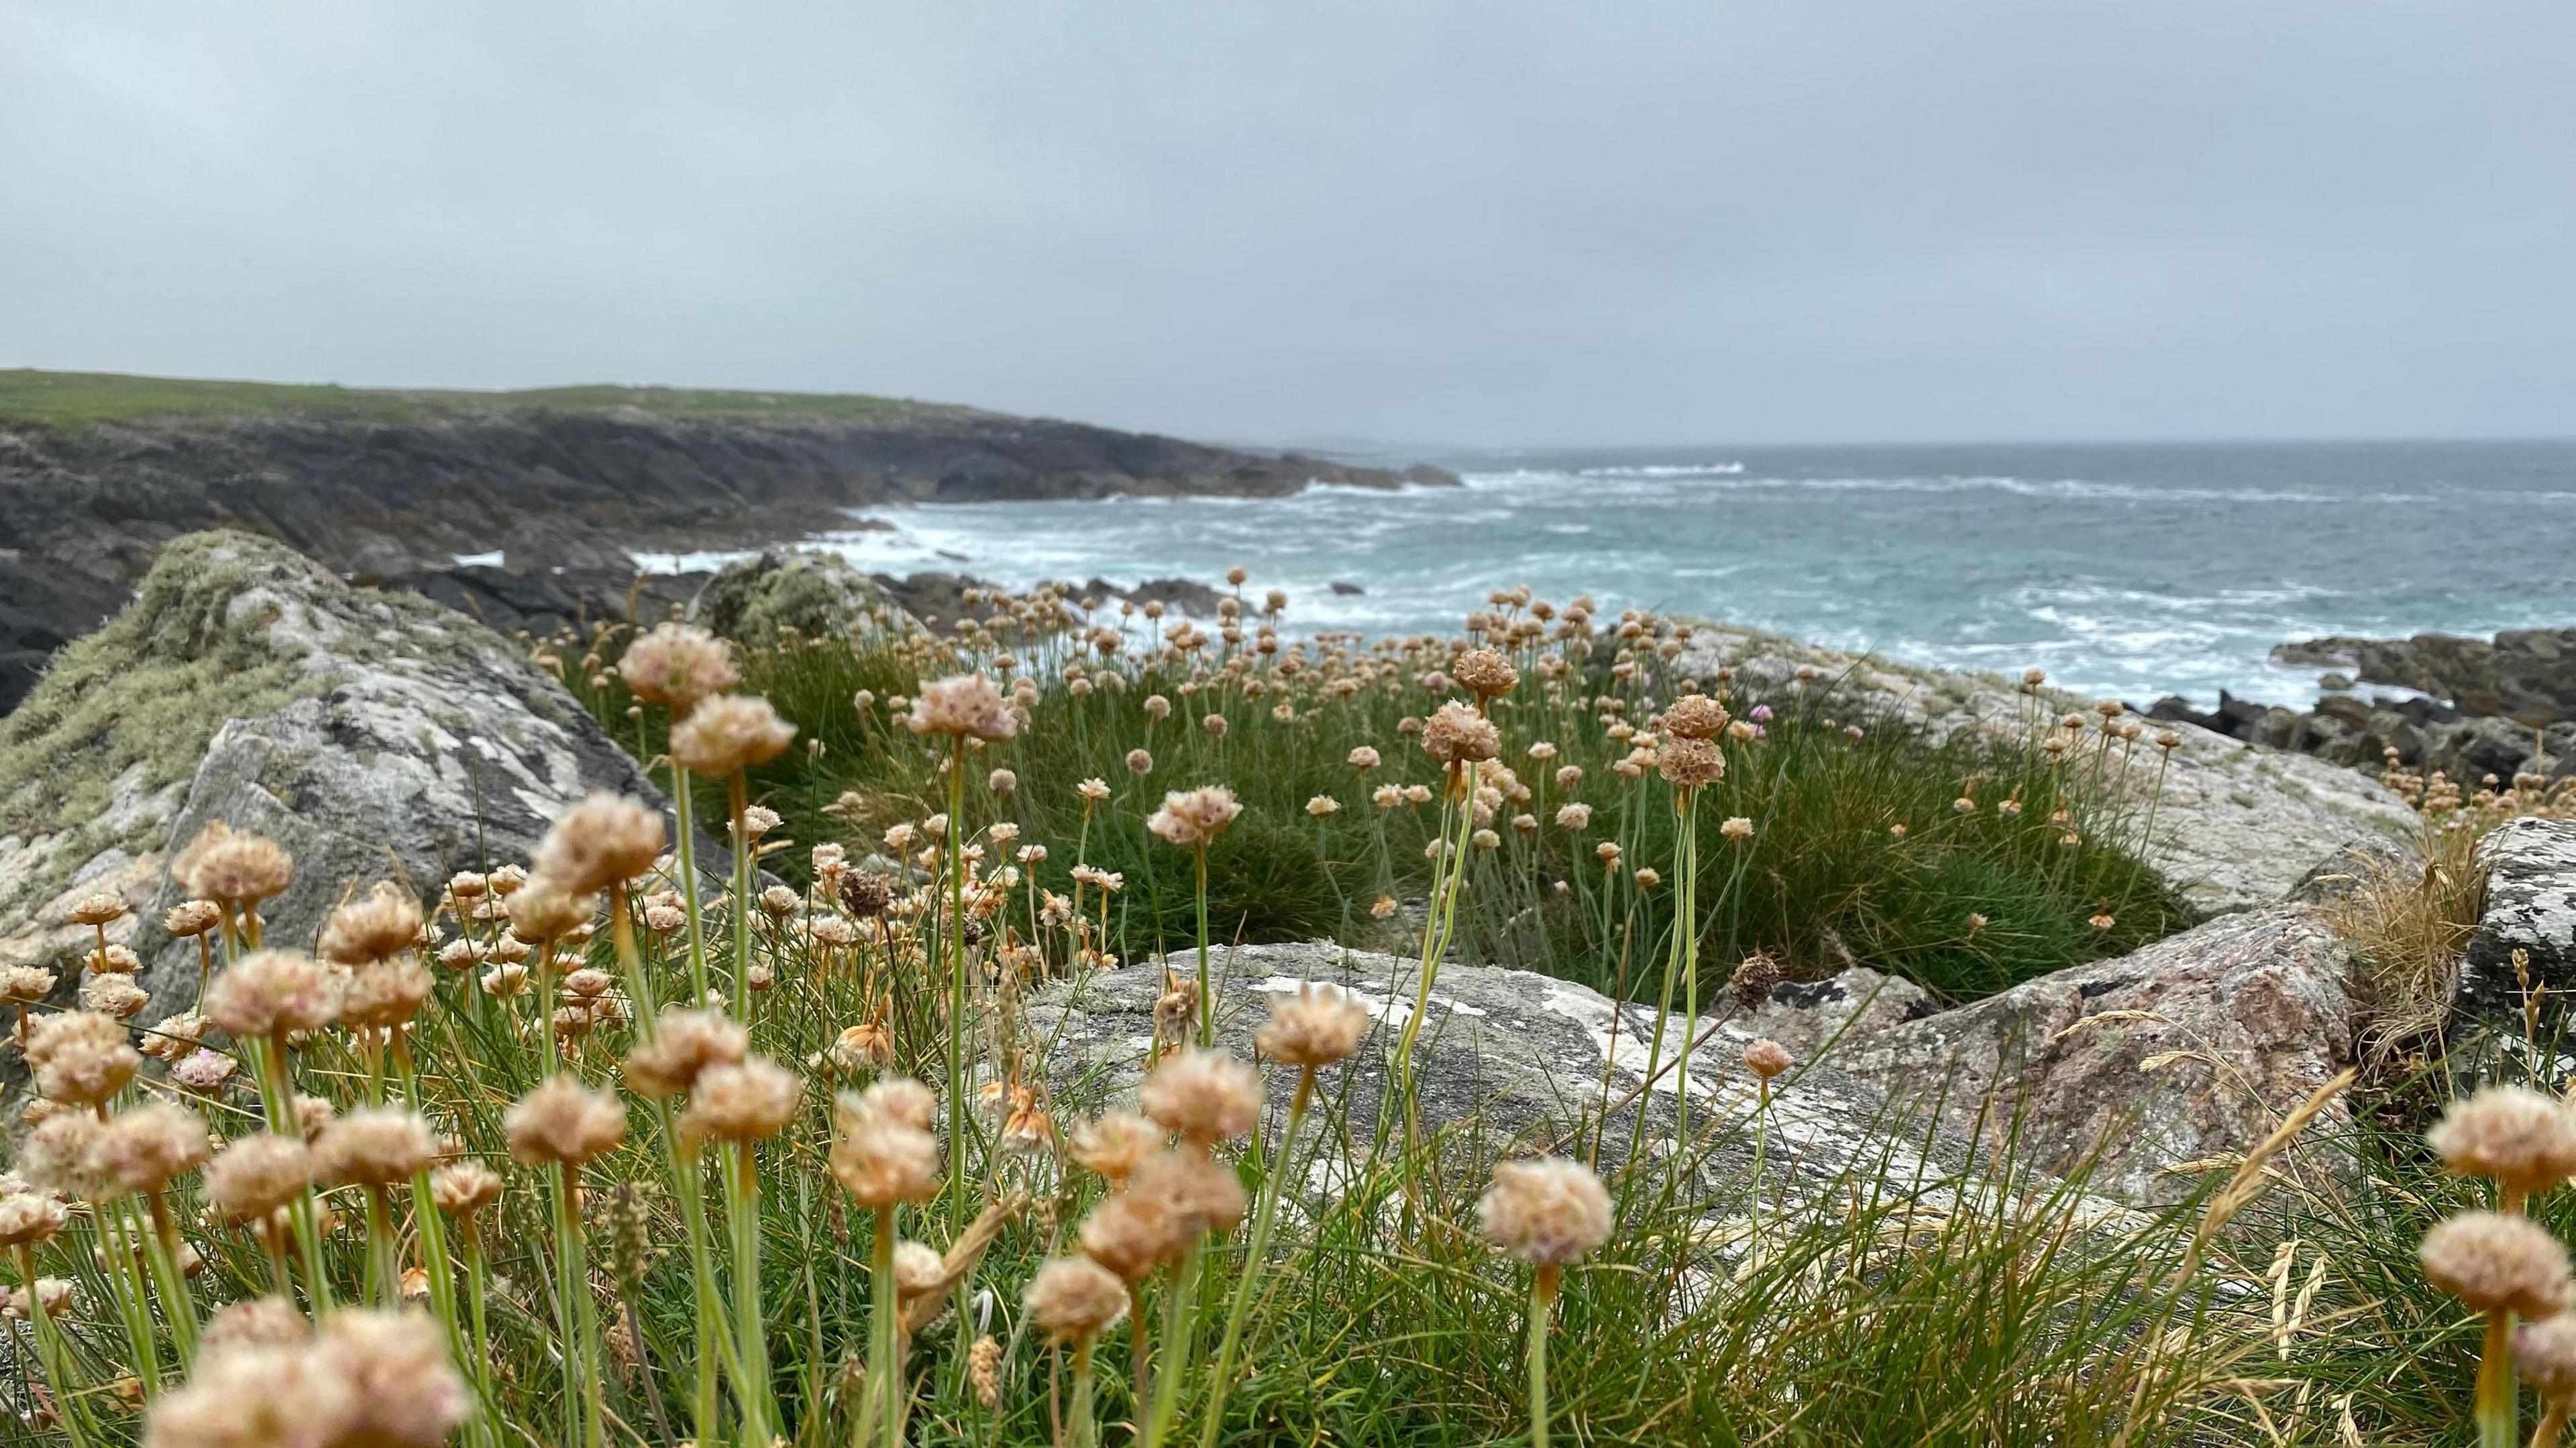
(221, 864)
(257, 1396)
(405, 1392)
(462, 1188)
(2521, 1138)
(383, 922)
(1130, 1235)
(1193, 818)
(25, 985)
(1548, 1211)
(1315, 1027)
(1695, 716)
(28, 1216)
(191, 918)
(1196, 1193)
(114, 996)
(603, 840)
(1115, 1144)
(1767, 1058)
(1755, 977)
(900, 1098)
(374, 1146)
(1139, 762)
(256, 1175)
(729, 732)
(98, 909)
(270, 992)
(677, 665)
(879, 1156)
(2497, 1263)
(749, 1100)
(865, 894)
(1203, 1097)
(1074, 1298)
(382, 997)
(543, 910)
(966, 706)
(1457, 734)
(563, 1121)
(80, 1058)
(61, 1154)
(1690, 763)
(146, 1146)
(1486, 673)
(260, 1322)
(2545, 1352)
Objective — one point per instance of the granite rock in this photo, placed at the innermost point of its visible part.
(2530, 907)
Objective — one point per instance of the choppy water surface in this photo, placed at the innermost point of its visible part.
(2134, 570)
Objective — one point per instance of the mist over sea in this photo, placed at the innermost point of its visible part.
(2133, 570)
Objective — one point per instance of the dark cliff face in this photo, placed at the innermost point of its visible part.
(83, 512)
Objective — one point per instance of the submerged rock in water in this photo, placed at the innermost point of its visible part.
(374, 735)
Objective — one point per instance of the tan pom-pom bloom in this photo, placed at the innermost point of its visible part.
(80, 1058)
(1548, 1211)
(114, 996)
(684, 1044)
(2545, 1352)
(1486, 673)
(1131, 1235)
(269, 1396)
(966, 706)
(879, 1157)
(1194, 817)
(271, 991)
(96, 910)
(221, 864)
(605, 839)
(900, 1098)
(1074, 1298)
(256, 1175)
(383, 922)
(1767, 1058)
(1203, 1097)
(563, 1121)
(1116, 1144)
(191, 918)
(374, 1146)
(917, 1269)
(61, 1154)
(1457, 734)
(462, 1188)
(1365, 758)
(260, 1322)
(382, 997)
(1689, 763)
(1695, 716)
(677, 665)
(545, 910)
(28, 1216)
(142, 1149)
(407, 1394)
(1315, 1027)
(729, 732)
(2497, 1263)
(1196, 1191)
(2521, 1138)
(751, 1100)
(1737, 828)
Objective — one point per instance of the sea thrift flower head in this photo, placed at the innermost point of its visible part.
(2497, 1263)
(2521, 1138)
(256, 1175)
(1457, 734)
(729, 732)
(114, 996)
(1195, 1192)
(1575, 816)
(1313, 1028)
(1648, 877)
(603, 840)
(751, 1100)
(879, 1155)
(27, 1216)
(900, 1098)
(862, 1047)
(204, 1070)
(1755, 977)
(2545, 1352)
(563, 1121)
(385, 996)
(1548, 1211)
(866, 894)
(143, 1148)
(260, 1322)
(1130, 1234)
(1323, 805)
(262, 1396)
(1767, 1058)
(1194, 818)
(1203, 1097)
(374, 1146)
(462, 1188)
(1695, 716)
(80, 1058)
(191, 918)
(98, 909)
(544, 910)
(268, 992)
(61, 1155)
(25, 985)
(383, 922)
(677, 665)
(1093, 790)
(1690, 763)
(1486, 674)
(1116, 1144)
(1075, 1298)
(1139, 762)
(1737, 828)
(966, 706)
(406, 1394)
(222, 864)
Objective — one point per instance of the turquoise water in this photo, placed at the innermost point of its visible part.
(2134, 570)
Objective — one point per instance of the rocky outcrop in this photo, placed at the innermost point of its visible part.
(375, 735)
(2524, 674)
(2236, 826)
(817, 594)
(1513, 1061)
(2414, 732)
(2186, 1052)
(404, 488)
(2530, 907)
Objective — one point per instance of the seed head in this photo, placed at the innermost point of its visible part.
(190, 918)
(1767, 1058)
(563, 1121)
(384, 996)
(1116, 1144)
(1315, 1027)
(729, 732)
(256, 1175)
(1075, 1298)
(383, 922)
(143, 1148)
(2497, 1263)
(223, 865)
(965, 706)
(866, 894)
(1456, 734)
(751, 1100)
(1755, 977)
(900, 1098)
(1737, 828)
(257, 1396)
(405, 1392)
(258, 1322)
(25, 985)
(269, 992)
(2519, 1137)
(28, 1216)
(1203, 1097)
(1193, 818)
(1197, 1193)
(462, 1188)
(114, 996)
(99, 909)
(1695, 716)
(1690, 763)
(1547, 1211)
(543, 910)
(605, 839)
(374, 1146)
(2545, 1352)
(79, 1058)
(882, 1149)
(677, 665)
(1486, 673)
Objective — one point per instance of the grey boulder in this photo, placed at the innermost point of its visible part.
(2530, 907)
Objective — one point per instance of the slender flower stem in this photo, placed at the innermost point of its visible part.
(1685, 957)
(1542, 1300)
(1256, 1254)
(584, 1411)
(738, 792)
(177, 1304)
(885, 1371)
(2552, 1423)
(1085, 1433)
(1207, 1001)
(73, 1414)
(742, 1213)
(688, 882)
(956, 933)
(1179, 1308)
(2499, 1414)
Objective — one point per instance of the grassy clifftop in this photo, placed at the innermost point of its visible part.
(79, 399)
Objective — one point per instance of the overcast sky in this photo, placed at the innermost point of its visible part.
(1474, 223)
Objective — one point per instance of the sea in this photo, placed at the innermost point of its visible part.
(2125, 570)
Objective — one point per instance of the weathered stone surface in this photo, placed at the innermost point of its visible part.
(1859, 1004)
(2235, 825)
(2530, 906)
(384, 737)
(2188, 1050)
(1506, 1059)
(814, 593)
(2526, 673)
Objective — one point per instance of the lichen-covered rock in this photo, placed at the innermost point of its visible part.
(2188, 1051)
(1855, 1005)
(815, 594)
(374, 735)
(1509, 1060)
(2530, 907)
(2236, 825)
